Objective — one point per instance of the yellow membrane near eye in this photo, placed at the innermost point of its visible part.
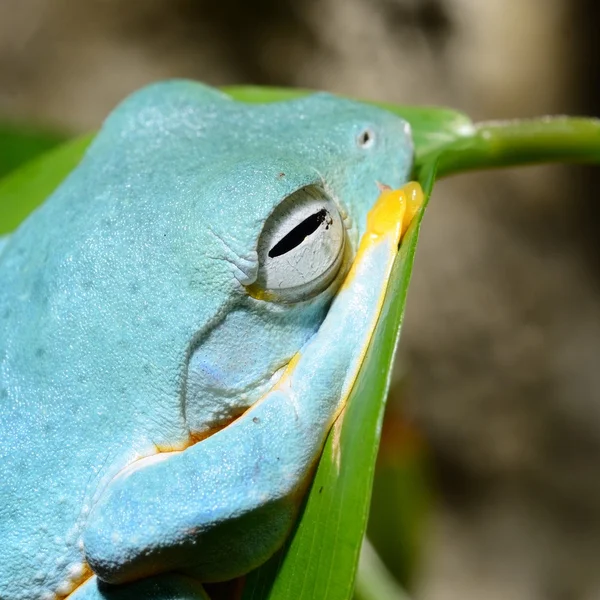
(394, 211)
(390, 216)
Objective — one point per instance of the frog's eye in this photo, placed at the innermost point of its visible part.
(301, 247)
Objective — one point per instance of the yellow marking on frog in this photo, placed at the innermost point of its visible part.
(80, 573)
(391, 214)
(259, 294)
(289, 369)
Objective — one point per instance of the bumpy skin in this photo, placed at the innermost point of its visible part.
(124, 293)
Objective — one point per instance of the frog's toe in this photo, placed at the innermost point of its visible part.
(164, 587)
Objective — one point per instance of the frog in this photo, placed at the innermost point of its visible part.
(181, 323)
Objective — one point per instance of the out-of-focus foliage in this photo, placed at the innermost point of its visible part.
(402, 496)
(22, 143)
(28, 186)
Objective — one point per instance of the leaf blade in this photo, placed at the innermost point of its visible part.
(27, 187)
(21, 142)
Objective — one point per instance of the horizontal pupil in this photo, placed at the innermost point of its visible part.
(297, 235)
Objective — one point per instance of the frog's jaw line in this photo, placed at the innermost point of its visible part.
(236, 494)
(75, 584)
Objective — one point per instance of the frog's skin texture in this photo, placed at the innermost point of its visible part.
(131, 341)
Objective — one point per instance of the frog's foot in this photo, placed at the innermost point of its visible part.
(163, 587)
(224, 505)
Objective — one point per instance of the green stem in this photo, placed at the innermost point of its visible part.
(520, 142)
(373, 580)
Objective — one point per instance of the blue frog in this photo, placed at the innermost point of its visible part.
(180, 324)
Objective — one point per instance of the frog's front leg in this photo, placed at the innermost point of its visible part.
(224, 505)
(163, 587)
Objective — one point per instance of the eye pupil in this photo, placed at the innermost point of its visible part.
(299, 233)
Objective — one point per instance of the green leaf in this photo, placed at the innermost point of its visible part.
(520, 142)
(439, 133)
(20, 143)
(459, 145)
(27, 187)
(321, 557)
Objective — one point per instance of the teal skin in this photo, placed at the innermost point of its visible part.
(133, 335)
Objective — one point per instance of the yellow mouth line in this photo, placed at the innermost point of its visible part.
(78, 583)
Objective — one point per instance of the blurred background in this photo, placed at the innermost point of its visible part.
(488, 472)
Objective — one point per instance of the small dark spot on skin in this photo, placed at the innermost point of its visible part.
(281, 175)
(3, 393)
(255, 420)
(320, 489)
(40, 352)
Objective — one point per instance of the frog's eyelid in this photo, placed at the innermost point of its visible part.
(338, 203)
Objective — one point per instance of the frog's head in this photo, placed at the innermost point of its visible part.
(197, 251)
(226, 229)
